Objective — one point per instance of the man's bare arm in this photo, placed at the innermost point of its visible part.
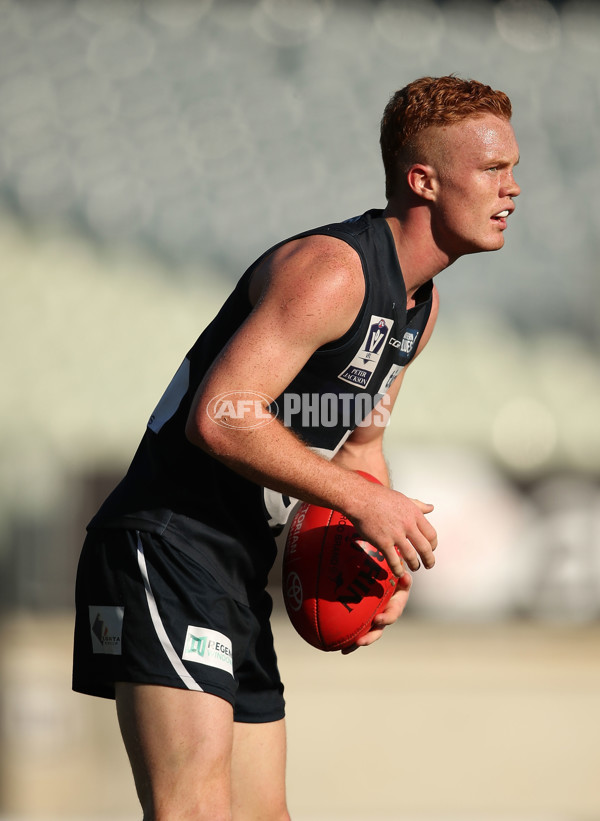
(312, 295)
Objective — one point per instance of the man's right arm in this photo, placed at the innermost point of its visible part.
(312, 292)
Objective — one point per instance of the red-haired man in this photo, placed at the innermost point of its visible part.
(172, 613)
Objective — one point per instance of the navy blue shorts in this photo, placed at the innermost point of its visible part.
(147, 613)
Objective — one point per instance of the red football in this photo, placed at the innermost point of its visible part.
(334, 583)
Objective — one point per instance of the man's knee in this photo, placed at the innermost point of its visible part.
(191, 810)
(262, 813)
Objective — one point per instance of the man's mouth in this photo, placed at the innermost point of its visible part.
(501, 215)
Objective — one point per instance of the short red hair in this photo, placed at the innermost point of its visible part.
(430, 101)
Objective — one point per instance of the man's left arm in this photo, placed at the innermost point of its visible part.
(363, 450)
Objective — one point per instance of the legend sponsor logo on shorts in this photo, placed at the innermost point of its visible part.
(106, 627)
(209, 647)
(360, 370)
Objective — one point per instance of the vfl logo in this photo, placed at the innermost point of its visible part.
(377, 335)
(361, 368)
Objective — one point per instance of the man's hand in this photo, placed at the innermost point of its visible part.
(397, 526)
(393, 611)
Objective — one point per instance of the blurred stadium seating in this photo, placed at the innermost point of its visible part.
(149, 150)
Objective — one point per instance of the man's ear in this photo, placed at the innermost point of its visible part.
(422, 180)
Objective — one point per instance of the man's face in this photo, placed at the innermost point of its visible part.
(474, 184)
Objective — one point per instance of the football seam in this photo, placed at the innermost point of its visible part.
(340, 645)
(344, 642)
(319, 568)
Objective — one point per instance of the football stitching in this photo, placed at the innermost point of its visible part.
(318, 591)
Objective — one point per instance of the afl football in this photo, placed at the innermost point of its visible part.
(334, 583)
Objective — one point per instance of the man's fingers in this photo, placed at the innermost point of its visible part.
(423, 547)
(429, 531)
(402, 555)
(410, 556)
(422, 538)
(415, 538)
(391, 614)
(415, 549)
(424, 507)
(396, 604)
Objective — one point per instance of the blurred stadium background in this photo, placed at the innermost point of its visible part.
(149, 151)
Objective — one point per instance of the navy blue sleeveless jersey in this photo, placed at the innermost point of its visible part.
(218, 518)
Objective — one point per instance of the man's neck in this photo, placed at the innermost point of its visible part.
(419, 256)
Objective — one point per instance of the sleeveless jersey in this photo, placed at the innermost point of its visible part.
(218, 518)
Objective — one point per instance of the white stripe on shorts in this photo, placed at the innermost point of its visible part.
(177, 663)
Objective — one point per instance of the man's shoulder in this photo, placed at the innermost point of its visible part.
(320, 251)
(345, 228)
(337, 240)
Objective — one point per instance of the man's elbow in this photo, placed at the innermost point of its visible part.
(201, 431)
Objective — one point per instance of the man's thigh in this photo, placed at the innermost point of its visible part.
(258, 771)
(179, 745)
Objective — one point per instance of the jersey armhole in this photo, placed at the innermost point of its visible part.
(341, 342)
(243, 283)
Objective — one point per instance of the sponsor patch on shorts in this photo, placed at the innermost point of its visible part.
(209, 647)
(106, 626)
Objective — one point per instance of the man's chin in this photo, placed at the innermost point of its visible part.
(494, 244)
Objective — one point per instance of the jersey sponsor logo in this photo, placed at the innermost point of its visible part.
(360, 370)
(106, 627)
(389, 380)
(209, 647)
(407, 343)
